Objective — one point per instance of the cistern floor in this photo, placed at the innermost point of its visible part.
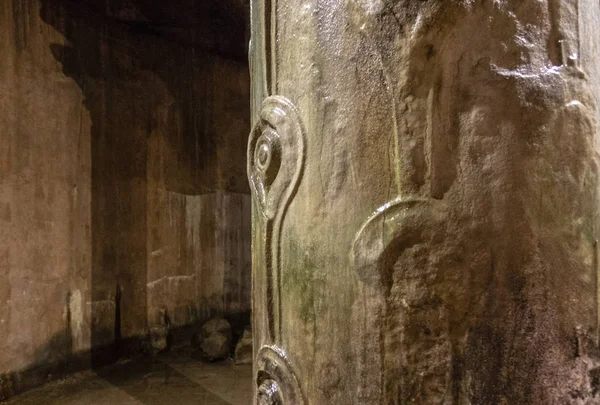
(171, 378)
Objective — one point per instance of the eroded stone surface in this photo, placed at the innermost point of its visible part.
(216, 339)
(216, 325)
(243, 350)
(441, 247)
(216, 347)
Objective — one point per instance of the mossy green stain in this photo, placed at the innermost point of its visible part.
(299, 278)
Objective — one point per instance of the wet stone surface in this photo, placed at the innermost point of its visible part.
(150, 382)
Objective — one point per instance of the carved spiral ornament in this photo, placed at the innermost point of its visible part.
(267, 156)
(275, 155)
(277, 384)
(269, 393)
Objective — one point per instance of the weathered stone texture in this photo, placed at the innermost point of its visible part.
(217, 339)
(124, 203)
(441, 247)
(243, 349)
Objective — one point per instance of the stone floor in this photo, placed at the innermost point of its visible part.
(172, 378)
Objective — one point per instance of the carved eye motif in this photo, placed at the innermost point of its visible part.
(276, 383)
(269, 393)
(267, 156)
(275, 155)
(263, 153)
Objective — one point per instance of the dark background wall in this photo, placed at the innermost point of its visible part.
(124, 207)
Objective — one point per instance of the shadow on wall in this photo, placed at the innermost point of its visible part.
(149, 94)
(166, 88)
(54, 359)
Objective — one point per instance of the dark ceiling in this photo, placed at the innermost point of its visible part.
(219, 26)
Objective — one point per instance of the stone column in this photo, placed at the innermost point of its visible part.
(425, 182)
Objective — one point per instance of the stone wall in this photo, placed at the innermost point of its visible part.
(123, 197)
